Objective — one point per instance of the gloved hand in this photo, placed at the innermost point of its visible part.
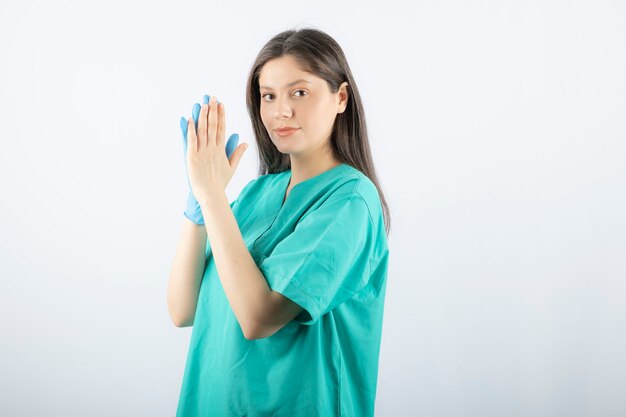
(193, 211)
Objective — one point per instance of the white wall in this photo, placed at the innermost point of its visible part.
(498, 132)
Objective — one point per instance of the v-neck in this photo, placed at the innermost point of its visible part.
(287, 179)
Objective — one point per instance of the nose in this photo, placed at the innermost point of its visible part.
(282, 110)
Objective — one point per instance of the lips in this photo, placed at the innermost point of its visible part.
(285, 129)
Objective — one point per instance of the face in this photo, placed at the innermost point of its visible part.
(294, 98)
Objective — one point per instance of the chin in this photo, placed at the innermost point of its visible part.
(285, 150)
(286, 146)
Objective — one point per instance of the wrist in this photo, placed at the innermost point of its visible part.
(211, 197)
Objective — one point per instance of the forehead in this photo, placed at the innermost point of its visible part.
(276, 73)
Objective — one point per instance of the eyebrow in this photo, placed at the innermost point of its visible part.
(290, 84)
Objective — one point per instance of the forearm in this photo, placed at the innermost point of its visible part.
(186, 275)
(244, 284)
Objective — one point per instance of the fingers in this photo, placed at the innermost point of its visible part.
(221, 125)
(209, 125)
(184, 126)
(191, 136)
(237, 155)
(195, 113)
(202, 125)
(231, 144)
(212, 121)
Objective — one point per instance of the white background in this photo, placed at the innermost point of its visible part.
(498, 133)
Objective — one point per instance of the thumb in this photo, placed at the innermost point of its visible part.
(237, 155)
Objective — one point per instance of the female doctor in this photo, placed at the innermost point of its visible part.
(285, 286)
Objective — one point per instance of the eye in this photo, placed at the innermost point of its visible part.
(270, 94)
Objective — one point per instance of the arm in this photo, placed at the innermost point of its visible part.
(280, 311)
(186, 274)
(259, 311)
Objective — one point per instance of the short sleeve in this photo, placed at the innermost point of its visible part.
(326, 259)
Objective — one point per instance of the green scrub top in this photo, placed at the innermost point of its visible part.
(326, 249)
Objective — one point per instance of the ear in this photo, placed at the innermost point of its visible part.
(342, 97)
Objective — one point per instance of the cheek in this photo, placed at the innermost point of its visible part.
(264, 117)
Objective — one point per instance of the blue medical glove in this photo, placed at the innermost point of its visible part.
(193, 211)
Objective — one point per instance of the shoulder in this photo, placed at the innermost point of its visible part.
(363, 195)
(355, 185)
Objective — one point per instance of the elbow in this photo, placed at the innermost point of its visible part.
(248, 336)
(180, 321)
(181, 324)
(253, 336)
(253, 331)
(258, 331)
(179, 317)
(249, 333)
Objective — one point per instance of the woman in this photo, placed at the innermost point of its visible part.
(287, 300)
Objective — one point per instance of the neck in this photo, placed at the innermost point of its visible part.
(303, 169)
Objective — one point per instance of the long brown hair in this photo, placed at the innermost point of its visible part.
(319, 54)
